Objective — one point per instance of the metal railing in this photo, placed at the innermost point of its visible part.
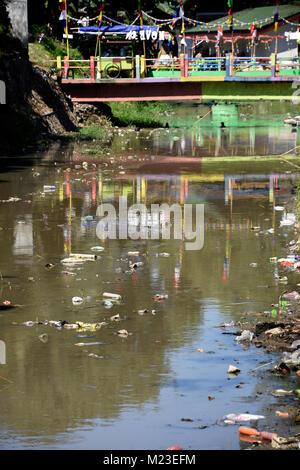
(98, 68)
(251, 64)
(206, 64)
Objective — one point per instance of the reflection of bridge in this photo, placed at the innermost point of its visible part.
(231, 79)
(251, 184)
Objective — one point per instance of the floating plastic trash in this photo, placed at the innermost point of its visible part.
(89, 326)
(115, 317)
(83, 256)
(95, 356)
(72, 261)
(246, 335)
(243, 417)
(111, 296)
(97, 248)
(43, 338)
(288, 219)
(291, 295)
(123, 333)
(77, 300)
(158, 297)
(233, 370)
(136, 265)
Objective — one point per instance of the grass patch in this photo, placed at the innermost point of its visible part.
(91, 133)
(140, 113)
(38, 55)
(49, 49)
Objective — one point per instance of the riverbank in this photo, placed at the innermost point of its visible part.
(277, 331)
(37, 111)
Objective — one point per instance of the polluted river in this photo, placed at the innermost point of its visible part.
(147, 367)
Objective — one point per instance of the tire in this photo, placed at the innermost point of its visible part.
(113, 70)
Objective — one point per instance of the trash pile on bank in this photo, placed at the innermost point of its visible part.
(276, 330)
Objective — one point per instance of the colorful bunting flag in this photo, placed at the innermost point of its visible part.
(276, 16)
(181, 14)
(101, 12)
(63, 18)
(140, 13)
(230, 14)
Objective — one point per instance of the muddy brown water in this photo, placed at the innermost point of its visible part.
(154, 388)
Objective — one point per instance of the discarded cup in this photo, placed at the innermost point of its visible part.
(77, 300)
(233, 370)
(43, 337)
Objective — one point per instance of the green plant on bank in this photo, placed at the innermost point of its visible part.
(49, 46)
(91, 133)
(143, 114)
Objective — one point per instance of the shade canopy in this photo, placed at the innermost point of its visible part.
(117, 29)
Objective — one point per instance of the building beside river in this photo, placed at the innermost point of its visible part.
(261, 42)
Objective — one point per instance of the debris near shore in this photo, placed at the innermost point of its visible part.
(295, 121)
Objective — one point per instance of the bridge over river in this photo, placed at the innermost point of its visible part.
(138, 79)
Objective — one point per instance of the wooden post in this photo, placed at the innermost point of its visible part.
(98, 68)
(67, 32)
(273, 65)
(182, 65)
(227, 66)
(66, 66)
(137, 67)
(143, 66)
(186, 66)
(92, 67)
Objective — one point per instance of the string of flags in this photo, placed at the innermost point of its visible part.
(276, 15)
(230, 23)
(160, 22)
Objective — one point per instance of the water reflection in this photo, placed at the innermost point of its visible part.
(57, 390)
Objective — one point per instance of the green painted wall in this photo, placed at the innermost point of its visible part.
(245, 91)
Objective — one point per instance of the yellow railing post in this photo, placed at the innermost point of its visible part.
(143, 66)
(58, 63)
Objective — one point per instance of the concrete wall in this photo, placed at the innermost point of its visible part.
(18, 14)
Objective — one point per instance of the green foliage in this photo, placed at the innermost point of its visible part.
(53, 46)
(91, 133)
(144, 114)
